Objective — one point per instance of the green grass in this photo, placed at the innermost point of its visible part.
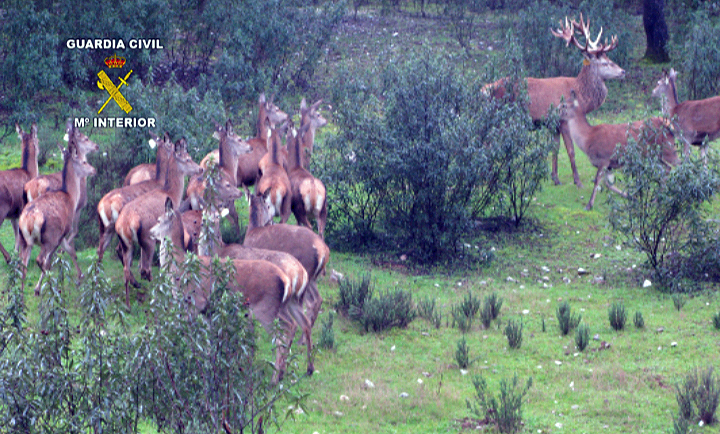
(625, 388)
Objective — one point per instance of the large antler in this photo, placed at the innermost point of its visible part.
(591, 47)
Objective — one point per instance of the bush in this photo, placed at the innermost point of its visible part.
(388, 309)
(513, 332)
(462, 354)
(716, 321)
(505, 410)
(566, 320)
(470, 305)
(698, 396)
(427, 309)
(495, 304)
(354, 294)
(582, 337)
(460, 319)
(327, 337)
(486, 314)
(701, 59)
(617, 316)
(639, 321)
(679, 300)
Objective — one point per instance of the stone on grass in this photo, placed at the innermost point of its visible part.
(404, 395)
(369, 384)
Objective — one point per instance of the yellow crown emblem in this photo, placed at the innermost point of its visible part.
(114, 61)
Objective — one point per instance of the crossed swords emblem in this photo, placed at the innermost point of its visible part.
(114, 91)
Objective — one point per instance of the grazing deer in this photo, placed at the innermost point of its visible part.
(698, 121)
(231, 148)
(311, 119)
(12, 182)
(589, 85)
(599, 142)
(112, 203)
(299, 241)
(48, 220)
(308, 192)
(274, 183)
(139, 215)
(265, 287)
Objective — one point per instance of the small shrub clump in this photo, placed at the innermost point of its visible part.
(486, 315)
(327, 337)
(470, 305)
(698, 396)
(505, 409)
(639, 321)
(462, 354)
(389, 309)
(462, 321)
(353, 294)
(582, 336)
(427, 309)
(513, 332)
(679, 301)
(716, 321)
(495, 304)
(617, 316)
(566, 320)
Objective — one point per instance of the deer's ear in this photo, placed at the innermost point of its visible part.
(303, 105)
(168, 205)
(262, 99)
(18, 130)
(229, 126)
(672, 73)
(33, 129)
(316, 104)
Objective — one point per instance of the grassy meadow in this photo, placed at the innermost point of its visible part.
(623, 382)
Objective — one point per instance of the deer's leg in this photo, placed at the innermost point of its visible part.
(612, 186)
(600, 171)
(16, 229)
(571, 154)
(69, 246)
(105, 239)
(322, 220)
(43, 260)
(2, 248)
(313, 300)
(554, 173)
(147, 250)
(285, 210)
(233, 216)
(299, 319)
(25, 249)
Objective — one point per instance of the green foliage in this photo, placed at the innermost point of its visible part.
(513, 332)
(698, 396)
(679, 300)
(462, 354)
(716, 321)
(428, 309)
(470, 305)
(486, 314)
(701, 56)
(495, 304)
(353, 294)
(617, 315)
(639, 321)
(389, 309)
(566, 320)
(461, 319)
(327, 336)
(582, 336)
(505, 409)
(664, 215)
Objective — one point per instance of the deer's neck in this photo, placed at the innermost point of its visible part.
(175, 182)
(29, 158)
(579, 130)
(671, 99)
(161, 164)
(294, 159)
(228, 160)
(71, 182)
(591, 88)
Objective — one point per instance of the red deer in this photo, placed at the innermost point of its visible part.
(589, 85)
(231, 148)
(142, 172)
(112, 203)
(264, 285)
(274, 183)
(12, 182)
(138, 216)
(308, 192)
(48, 220)
(299, 241)
(599, 142)
(248, 172)
(311, 118)
(697, 122)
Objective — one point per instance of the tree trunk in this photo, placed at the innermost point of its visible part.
(656, 31)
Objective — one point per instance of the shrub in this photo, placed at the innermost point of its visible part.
(470, 305)
(486, 314)
(495, 303)
(698, 396)
(463, 322)
(327, 337)
(664, 215)
(566, 320)
(639, 321)
(543, 324)
(428, 309)
(513, 332)
(617, 315)
(716, 321)
(353, 294)
(582, 337)
(388, 309)
(462, 354)
(701, 59)
(679, 301)
(505, 410)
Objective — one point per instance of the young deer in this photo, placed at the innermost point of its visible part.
(265, 287)
(308, 192)
(698, 121)
(12, 182)
(311, 119)
(599, 142)
(48, 220)
(112, 203)
(299, 241)
(231, 148)
(589, 85)
(274, 183)
(139, 215)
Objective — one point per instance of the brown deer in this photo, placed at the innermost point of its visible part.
(231, 148)
(142, 172)
(48, 220)
(12, 182)
(310, 118)
(697, 122)
(139, 215)
(308, 192)
(589, 85)
(264, 285)
(299, 241)
(605, 143)
(274, 183)
(112, 203)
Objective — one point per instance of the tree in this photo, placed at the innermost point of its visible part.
(656, 31)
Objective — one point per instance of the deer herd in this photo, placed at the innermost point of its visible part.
(278, 265)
